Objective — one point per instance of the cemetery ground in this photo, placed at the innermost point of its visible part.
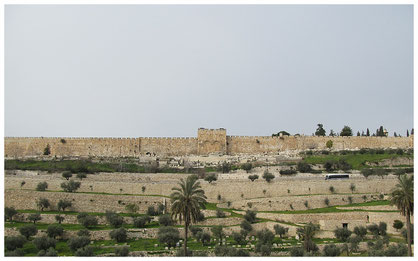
(106, 208)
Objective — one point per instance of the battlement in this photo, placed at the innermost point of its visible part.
(207, 141)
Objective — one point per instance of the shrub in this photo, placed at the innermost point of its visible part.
(287, 172)
(50, 252)
(331, 250)
(247, 167)
(195, 230)
(306, 203)
(16, 252)
(55, 230)
(81, 175)
(397, 224)
(297, 251)
(83, 233)
(47, 150)
(280, 230)
(165, 220)
(230, 251)
(43, 203)
(200, 217)
(217, 232)
(9, 213)
(246, 226)
(132, 208)
(28, 231)
(268, 176)
(114, 219)
(87, 221)
(168, 235)
(253, 177)
(263, 249)
(67, 175)
(225, 167)
(329, 144)
(397, 250)
(43, 243)
(210, 178)
(14, 242)
(140, 222)
(85, 251)
(151, 211)
(75, 243)
(367, 172)
(331, 189)
(59, 218)
(303, 167)
(342, 234)
(204, 238)
(239, 238)
(63, 204)
(119, 235)
(42, 186)
(70, 186)
(122, 251)
(350, 199)
(352, 187)
(378, 230)
(34, 217)
(220, 213)
(329, 165)
(250, 216)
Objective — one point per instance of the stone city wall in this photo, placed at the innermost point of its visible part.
(208, 141)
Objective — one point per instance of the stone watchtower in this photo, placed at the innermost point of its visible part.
(211, 141)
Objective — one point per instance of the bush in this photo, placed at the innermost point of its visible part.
(70, 186)
(132, 208)
(211, 177)
(239, 238)
(85, 251)
(253, 177)
(331, 189)
(59, 218)
(42, 186)
(81, 175)
(55, 230)
(122, 251)
(43, 203)
(169, 236)
(326, 201)
(342, 234)
(203, 237)
(47, 150)
(9, 213)
(63, 204)
(268, 176)
(329, 144)
(119, 235)
(165, 220)
(398, 250)
(225, 168)
(331, 250)
(43, 243)
(378, 230)
(247, 167)
(352, 187)
(230, 251)
(75, 243)
(28, 231)
(250, 216)
(114, 219)
(367, 172)
(303, 167)
(195, 230)
(87, 221)
(220, 213)
(297, 251)
(280, 230)
(34, 217)
(287, 172)
(246, 226)
(265, 236)
(83, 233)
(67, 175)
(397, 224)
(12, 243)
(140, 222)
(217, 232)
(151, 211)
(263, 249)
(50, 252)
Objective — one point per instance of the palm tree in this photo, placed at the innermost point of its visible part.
(403, 197)
(306, 234)
(187, 200)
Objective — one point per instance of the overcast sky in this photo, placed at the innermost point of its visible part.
(132, 71)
